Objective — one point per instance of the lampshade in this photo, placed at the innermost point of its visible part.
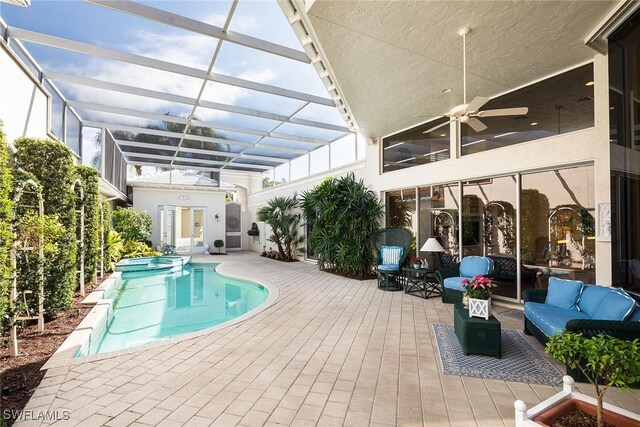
(431, 245)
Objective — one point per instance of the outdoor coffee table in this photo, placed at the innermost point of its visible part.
(420, 281)
(477, 335)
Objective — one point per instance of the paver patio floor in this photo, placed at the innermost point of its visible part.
(330, 351)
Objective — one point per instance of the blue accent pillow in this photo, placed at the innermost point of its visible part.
(473, 265)
(616, 305)
(635, 314)
(564, 293)
(391, 254)
(592, 296)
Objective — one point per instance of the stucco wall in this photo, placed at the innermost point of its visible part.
(23, 102)
(149, 199)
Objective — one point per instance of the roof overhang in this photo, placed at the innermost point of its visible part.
(395, 60)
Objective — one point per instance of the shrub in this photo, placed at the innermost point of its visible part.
(5, 225)
(605, 360)
(135, 249)
(218, 244)
(344, 215)
(280, 214)
(90, 180)
(113, 253)
(131, 224)
(59, 201)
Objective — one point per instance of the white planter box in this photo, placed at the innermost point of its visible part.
(524, 416)
(480, 308)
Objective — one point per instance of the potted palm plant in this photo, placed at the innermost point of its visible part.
(605, 361)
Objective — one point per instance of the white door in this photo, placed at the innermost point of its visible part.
(168, 225)
(198, 230)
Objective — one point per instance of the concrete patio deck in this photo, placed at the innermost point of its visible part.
(331, 351)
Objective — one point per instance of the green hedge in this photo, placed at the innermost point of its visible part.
(59, 201)
(344, 214)
(131, 224)
(5, 226)
(90, 180)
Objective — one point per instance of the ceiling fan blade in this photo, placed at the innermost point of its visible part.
(476, 103)
(521, 111)
(438, 126)
(476, 124)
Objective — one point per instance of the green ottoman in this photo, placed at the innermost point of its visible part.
(476, 335)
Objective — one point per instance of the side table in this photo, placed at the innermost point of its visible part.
(476, 335)
(420, 281)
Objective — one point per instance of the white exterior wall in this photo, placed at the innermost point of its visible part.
(23, 101)
(581, 147)
(256, 200)
(150, 199)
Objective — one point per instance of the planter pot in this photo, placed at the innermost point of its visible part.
(545, 413)
(480, 308)
(416, 265)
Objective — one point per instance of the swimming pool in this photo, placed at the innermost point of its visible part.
(148, 306)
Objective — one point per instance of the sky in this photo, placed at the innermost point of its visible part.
(101, 26)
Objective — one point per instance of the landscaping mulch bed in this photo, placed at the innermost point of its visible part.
(20, 376)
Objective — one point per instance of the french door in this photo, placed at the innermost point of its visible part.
(183, 227)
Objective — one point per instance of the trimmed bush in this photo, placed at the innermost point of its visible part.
(5, 227)
(131, 224)
(90, 180)
(344, 215)
(108, 245)
(59, 201)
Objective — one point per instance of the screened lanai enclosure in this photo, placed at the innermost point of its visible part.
(208, 86)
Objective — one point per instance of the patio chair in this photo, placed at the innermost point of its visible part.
(392, 245)
(450, 279)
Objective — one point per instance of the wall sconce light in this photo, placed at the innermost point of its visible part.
(217, 217)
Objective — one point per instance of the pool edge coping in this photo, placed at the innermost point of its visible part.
(64, 354)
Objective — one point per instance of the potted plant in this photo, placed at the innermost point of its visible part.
(605, 361)
(218, 244)
(478, 295)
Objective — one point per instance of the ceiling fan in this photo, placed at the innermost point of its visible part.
(470, 113)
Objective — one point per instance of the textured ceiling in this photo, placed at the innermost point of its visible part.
(392, 59)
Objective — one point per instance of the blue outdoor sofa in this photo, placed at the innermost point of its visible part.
(588, 309)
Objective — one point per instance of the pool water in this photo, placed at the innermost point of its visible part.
(150, 306)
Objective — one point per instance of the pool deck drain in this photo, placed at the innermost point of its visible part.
(331, 351)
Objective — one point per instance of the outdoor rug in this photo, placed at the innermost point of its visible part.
(513, 314)
(520, 361)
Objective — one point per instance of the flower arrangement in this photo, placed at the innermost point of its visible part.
(416, 261)
(478, 287)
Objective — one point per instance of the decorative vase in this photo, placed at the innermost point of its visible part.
(416, 265)
(480, 308)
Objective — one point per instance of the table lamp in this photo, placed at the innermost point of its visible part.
(431, 245)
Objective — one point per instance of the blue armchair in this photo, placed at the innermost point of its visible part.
(451, 278)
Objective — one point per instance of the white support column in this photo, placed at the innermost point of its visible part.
(518, 240)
